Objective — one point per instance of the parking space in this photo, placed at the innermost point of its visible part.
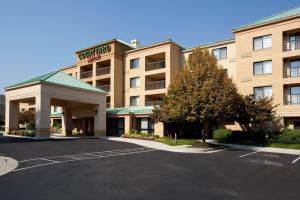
(93, 169)
(265, 158)
(44, 161)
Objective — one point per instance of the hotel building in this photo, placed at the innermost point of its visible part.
(263, 59)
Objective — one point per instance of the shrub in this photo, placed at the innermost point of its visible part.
(30, 125)
(221, 134)
(29, 133)
(289, 137)
(138, 135)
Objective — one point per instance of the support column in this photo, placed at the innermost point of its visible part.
(11, 116)
(42, 117)
(94, 73)
(66, 122)
(100, 118)
(84, 128)
(127, 123)
(159, 129)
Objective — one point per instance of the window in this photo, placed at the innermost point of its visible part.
(135, 82)
(295, 68)
(145, 124)
(294, 41)
(262, 68)
(57, 109)
(134, 101)
(295, 95)
(262, 42)
(263, 92)
(134, 63)
(220, 53)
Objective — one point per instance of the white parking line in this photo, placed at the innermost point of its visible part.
(248, 154)
(94, 156)
(48, 160)
(294, 161)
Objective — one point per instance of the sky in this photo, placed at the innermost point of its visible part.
(39, 36)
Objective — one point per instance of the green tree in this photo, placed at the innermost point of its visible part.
(252, 113)
(202, 93)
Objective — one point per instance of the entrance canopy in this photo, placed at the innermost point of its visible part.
(56, 89)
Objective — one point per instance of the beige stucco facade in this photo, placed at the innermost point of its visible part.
(137, 78)
(279, 55)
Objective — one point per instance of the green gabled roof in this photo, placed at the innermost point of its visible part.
(58, 78)
(130, 110)
(277, 17)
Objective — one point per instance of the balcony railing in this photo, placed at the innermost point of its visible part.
(86, 74)
(104, 87)
(102, 71)
(293, 72)
(107, 105)
(154, 103)
(293, 45)
(294, 99)
(155, 85)
(155, 65)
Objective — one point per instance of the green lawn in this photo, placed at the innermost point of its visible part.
(171, 141)
(288, 146)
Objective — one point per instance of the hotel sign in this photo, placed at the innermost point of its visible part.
(95, 53)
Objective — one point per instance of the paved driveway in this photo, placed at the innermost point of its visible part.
(100, 169)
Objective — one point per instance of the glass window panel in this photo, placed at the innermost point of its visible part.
(258, 93)
(267, 92)
(267, 41)
(223, 53)
(134, 63)
(134, 101)
(267, 67)
(258, 68)
(135, 82)
(295, 63)
(144, 123)
(258, 44)
(216, 52)
(295, 90)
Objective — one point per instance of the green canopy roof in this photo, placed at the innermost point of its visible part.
(58, 78)
(279, 16)
(130, 110)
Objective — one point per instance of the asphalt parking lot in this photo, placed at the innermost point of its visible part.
(101, 169)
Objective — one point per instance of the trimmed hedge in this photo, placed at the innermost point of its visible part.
(289, 137)
(221, 135)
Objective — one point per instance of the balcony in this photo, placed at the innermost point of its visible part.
(155, 61)
(102, 71)
(155, 85)
(86, 74)
(104, 87)
(154, 103)
(155, 65)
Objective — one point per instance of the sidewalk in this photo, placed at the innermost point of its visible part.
(256, 148)
(7, 165)
(164, 147)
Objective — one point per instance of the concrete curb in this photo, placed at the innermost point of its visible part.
(256, 148)
(163, 147)
(7, 165)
